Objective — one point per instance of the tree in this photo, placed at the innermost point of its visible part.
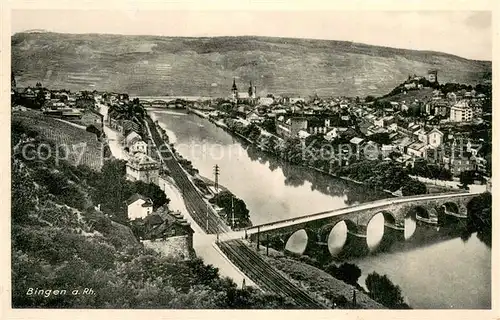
(349, 273)
(93, 129)
(467, 177)
(228, 202)
(369, 98)
(151, 191)
(413, 187)
(384, 291)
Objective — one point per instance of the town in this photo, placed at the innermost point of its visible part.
(421, 139)
(439, 133)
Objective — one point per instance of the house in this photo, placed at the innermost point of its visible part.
(302, 134)
(254, 117)
(266, 101)
(387, 150)
(90, 116)
(167, 232)
(461, 112)
(435, 138)
(139, 146)
(129, 126)
(142, 167)
(131, 139)
(417, 149)
(290, 127)
(71, 114)
(138, 206)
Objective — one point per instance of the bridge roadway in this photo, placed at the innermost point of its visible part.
(351, 209)
(195, 203)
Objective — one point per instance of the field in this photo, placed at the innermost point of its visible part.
(83, 147)
(153, 65)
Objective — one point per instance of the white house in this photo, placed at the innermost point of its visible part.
(435, 138)
(132, 138)
(139, 146)
(266, 101)
(142, 167)
(252, 116)
(334, 133)
(138, 206)
(303, 134)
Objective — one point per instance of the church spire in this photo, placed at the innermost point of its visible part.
(234, 88)
(250, 90)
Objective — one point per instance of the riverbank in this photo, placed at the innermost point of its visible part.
(221, 124)
(326, 288)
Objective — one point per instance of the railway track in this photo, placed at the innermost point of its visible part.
(195, 203)
(248, 261)
(264, 275)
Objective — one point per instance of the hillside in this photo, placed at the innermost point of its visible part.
(62, 246)
(77, 145)
(153, 65)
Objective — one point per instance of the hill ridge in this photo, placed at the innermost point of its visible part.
(205, 66)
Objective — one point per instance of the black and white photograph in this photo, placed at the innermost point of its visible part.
(250, 159)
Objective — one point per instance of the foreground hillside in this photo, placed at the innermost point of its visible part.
(67, 254)
(152, 65)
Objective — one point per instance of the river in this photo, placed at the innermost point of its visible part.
(447, 273)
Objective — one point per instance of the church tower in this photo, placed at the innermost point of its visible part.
(234, 91)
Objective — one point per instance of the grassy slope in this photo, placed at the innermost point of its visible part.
(320, 282)
(83, 147)
(151, 65)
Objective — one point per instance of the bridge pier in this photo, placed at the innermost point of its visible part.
(355, 246)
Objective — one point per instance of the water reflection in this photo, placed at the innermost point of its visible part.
(410, 227)
(297, 242)
(375, 231)
(337, 238)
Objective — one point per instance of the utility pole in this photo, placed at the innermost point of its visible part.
(216, 173)
(207, 218)
(258, 238)
(267, 244)
(232, 212)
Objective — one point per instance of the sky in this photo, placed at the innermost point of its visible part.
(464, 33)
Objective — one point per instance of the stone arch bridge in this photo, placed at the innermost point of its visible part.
(430, 209)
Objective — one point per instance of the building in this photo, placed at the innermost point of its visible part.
(138, 206)
(461, 112)
(131, 139)
(142, 167)
(249, 97)
(168, 233)
(432, 75)
(435, 138)
(290, 127)
(254, 117)
(92, 117)
(417, 149)
(266, 101)
(139, 146)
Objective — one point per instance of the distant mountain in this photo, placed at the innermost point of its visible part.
(154, 65)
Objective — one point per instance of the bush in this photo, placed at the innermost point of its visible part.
(384, 291)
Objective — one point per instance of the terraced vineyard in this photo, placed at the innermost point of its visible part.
(82, 147)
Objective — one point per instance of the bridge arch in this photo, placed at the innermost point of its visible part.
(300, 240)
(352, 227)
(451, 207)
(334, 235)
(416, 212)
(389, 217)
